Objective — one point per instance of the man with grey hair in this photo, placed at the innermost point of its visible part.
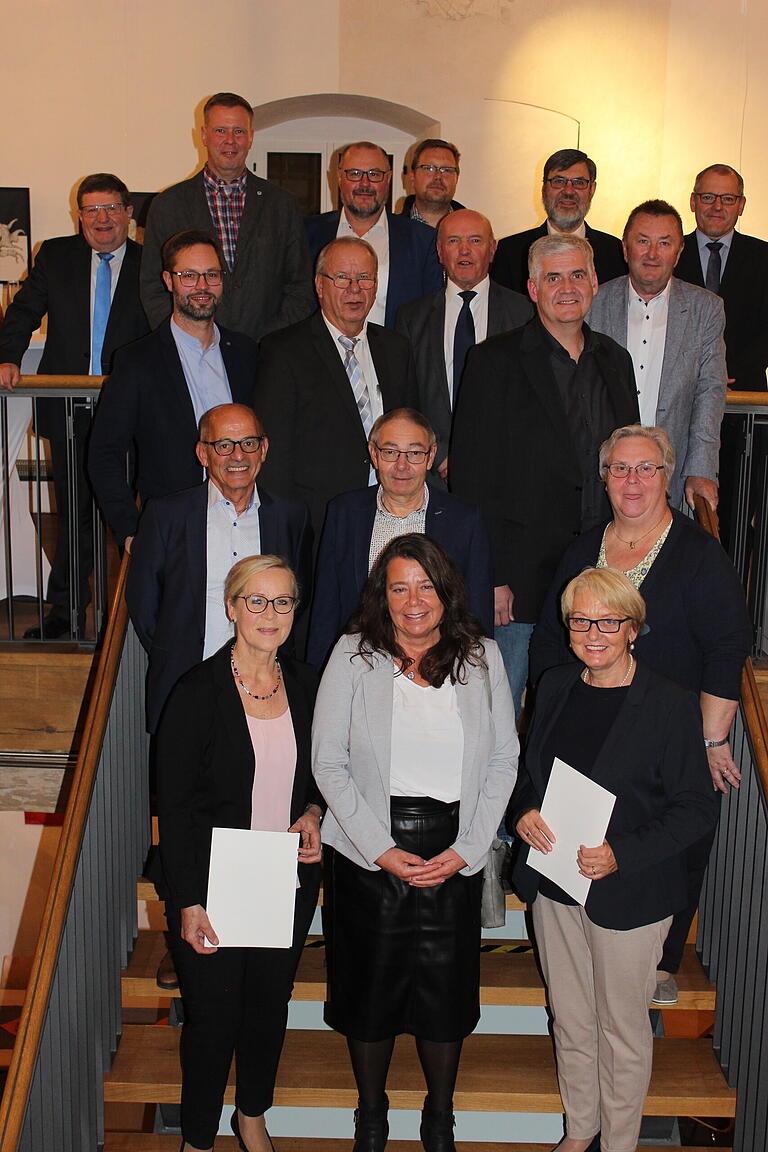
(321, 383)
(570, 179)
(408, 266)
(268, 275)
(359, 524)
(535, 405)
(674, 333)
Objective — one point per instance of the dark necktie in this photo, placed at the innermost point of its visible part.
(463, 339)
(714, 267)
(101, 302)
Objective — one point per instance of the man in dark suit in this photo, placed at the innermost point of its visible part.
(161, 386)
(442, 327)
(434, 174)
(88, 286)
(405, 248)
(359, 524)
(534, 408)
(268, 282)
(321, 383)
(188, 541)
(570, 179)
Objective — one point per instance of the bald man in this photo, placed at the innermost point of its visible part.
(443, 326)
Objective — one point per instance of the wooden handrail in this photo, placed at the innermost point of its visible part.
(755, 399)
(27, 1043)
(754, 716)
(60, 383)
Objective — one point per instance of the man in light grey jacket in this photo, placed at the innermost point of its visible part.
(674, 334)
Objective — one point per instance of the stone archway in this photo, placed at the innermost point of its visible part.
(332, 104)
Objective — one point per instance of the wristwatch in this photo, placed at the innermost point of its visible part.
(714, 743)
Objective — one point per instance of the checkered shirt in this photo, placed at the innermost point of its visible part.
(225, 203)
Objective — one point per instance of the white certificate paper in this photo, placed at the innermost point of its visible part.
(576, 811)
(252, 887)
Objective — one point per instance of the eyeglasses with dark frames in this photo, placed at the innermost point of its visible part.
(364, 281)
(607, 624)
(412, 455)
(727, 199)
(375, 175)
(559, 182)
(443, 169)
(226, 447)
(281, 604)
(190, 279)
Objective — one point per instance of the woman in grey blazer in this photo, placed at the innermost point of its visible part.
(415, 751)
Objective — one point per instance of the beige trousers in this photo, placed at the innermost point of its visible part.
(600, 983)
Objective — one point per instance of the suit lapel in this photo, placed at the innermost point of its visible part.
(542, 383)
(436, 338)
(251, 219)
(334, 367)
(362, 529)
(677, 322)
(195, 534)
(81, 289)
(181, 401)
(302, 725)
(377, 696)
(240, 385)
(122, 305)
(234, 722)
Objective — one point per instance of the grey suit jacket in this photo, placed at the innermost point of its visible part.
(423, 323)
(693, 373)
(351, 740)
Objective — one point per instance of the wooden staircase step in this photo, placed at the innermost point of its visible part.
(41, 693)
(497, 1074)
(151, 1142)
(508, 975)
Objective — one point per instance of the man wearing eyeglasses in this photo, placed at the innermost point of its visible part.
(88, 287)
(407, 260)
(188, 541)
(570, 179)
(674, 334)
(321, 384)
(162, 385)
(434, 174)
(359, 524)
(257, 224)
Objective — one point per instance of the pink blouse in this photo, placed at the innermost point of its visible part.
(274, 750)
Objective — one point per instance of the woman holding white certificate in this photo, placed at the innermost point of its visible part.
(233, 751)
(415, 750)
(639, 736)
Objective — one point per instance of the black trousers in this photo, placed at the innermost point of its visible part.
(58, 582)
(235, 1002)
(696, 859)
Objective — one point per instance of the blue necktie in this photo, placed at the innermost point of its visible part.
(463, 340)
(101, 302)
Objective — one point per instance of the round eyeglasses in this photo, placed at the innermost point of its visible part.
(281, 604)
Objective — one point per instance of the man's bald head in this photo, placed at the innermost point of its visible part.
(465, 247)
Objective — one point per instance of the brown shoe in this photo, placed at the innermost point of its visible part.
(166, 974)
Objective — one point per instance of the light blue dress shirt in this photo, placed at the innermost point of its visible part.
(204, 370)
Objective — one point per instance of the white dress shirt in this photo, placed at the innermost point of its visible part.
(581, 231)
(365, 360)
(427, 746)
(646, 337)
(453, 305)
(114, 265)
(229, 536)
(378, 238)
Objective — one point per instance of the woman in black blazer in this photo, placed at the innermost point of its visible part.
(639, 736)
(233, 751)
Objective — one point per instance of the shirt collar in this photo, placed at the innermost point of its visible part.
(553, 230)
(336, 332)
(192, 342)
(116, 255)
(663, 295)
(385, 512)
(482, 289)
(555, 346)
(702, 240)
(381, 226)
(216, 496)
(215, 182)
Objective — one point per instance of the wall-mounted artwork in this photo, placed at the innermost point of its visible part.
(140, 202)
(15, 243)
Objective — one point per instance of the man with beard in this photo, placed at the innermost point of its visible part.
(435, 174)
(162, 385)
(408, 266)
(570, 179)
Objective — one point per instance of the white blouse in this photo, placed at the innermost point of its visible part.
(427, 741)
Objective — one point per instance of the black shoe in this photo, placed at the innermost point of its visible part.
(371, 1128)
(436, 1130)
(54, 628)
(234, 1124)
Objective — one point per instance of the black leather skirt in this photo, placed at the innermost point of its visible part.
(403, 959)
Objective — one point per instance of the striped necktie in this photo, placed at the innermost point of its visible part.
(357, 380)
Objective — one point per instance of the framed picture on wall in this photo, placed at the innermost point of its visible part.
(15, 242)
(140, 202)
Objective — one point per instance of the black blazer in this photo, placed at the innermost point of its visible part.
(145, 406)
(205, 769)
(167, 578)
(510, 264)
(270, 284)
(512, 453)
(342, 560)
(744, 289)
(414, 269)
(59, 286)
(423, 323)
(698, 630)
(303, 396)
(654, 761)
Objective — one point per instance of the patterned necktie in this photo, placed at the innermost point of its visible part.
(101, 302)
(714, 267)
(357, 380)
(463, 340)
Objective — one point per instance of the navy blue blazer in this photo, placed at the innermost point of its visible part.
(167, 578)
(414, 269)
(342, 562)
(653, 760)
(145, 406)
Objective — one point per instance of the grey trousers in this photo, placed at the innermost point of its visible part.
(600, 983)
